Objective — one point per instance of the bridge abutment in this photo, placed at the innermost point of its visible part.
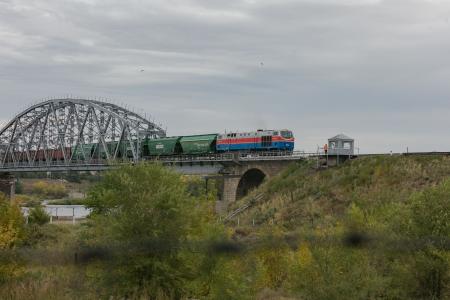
(8, 185)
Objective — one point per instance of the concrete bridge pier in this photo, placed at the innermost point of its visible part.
(229, 189)
(8, 184)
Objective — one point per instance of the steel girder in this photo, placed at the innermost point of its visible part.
(74, 131)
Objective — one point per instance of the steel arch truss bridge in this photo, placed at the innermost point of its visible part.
(74, 132)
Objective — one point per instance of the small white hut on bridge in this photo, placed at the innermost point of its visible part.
(341, 145)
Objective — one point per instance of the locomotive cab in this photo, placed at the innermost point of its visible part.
(287, 134)
(287, 140)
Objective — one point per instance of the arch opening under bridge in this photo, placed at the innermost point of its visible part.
(251, 180)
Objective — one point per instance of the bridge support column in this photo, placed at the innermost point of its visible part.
(228, 193)
(8, 185)
(230, 186)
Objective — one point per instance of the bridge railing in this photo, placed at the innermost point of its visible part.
(234, 156)
(50, 164)
(276, 155)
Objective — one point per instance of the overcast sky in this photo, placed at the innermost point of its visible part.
(378, 71)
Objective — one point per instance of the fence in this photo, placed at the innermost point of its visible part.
(62, 212)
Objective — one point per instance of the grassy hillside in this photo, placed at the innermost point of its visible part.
(303, 195)
(373, 228)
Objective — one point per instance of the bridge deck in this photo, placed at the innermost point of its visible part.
(100, 165)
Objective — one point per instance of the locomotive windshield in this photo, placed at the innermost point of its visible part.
(287, 134)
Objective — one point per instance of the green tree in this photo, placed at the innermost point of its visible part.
(146, 211)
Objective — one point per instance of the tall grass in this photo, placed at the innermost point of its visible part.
(302, 195)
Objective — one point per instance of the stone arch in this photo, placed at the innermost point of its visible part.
(251, 179)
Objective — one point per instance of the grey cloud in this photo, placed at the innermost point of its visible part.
(377, 70)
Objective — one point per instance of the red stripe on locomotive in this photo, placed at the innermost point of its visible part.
(228, 141)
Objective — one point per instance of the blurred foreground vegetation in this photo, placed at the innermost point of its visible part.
(374, 228)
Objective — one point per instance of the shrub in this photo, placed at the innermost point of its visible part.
(19, 187)
(40, 188)
(26, 201)
(38, 216)
(50, 190)
(68, 202)
(74, 177)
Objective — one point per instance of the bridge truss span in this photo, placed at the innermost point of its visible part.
(71, 131)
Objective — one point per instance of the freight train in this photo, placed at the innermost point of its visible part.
(260, 140)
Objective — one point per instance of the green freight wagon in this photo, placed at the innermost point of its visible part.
(199, 144)
(88, 151)
(111, 146)
(164, 146)
(125, 149)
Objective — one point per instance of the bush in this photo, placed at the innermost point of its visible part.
(74, 177)
(26, 201)
(19, 187)
(45, 189)
(68, 202)
(38, 216)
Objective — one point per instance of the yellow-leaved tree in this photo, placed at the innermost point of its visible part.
(11, 223)
(11, 232)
